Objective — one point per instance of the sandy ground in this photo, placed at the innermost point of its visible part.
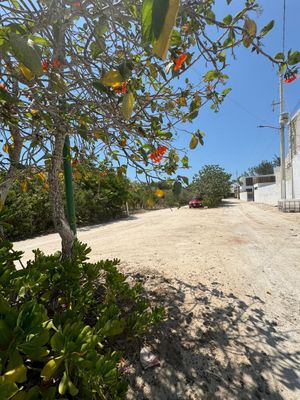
(229, 279)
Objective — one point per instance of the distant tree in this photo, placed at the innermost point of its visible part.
(276, 161)
(263, 168)
(212, 183)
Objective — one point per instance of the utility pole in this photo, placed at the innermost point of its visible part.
(282, 120)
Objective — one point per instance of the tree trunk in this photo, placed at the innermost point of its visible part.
(57, 204)
(14, 158)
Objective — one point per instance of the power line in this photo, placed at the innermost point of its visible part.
(283, 29)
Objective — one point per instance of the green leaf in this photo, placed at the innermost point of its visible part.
(39, 40)
(25, 53)
(153, 18)
(159, 13)
(51, 367)
(267, 28)
(226, 91)
(112, 78)
(185, 161)
(63, 385)
(147, 33)
(210, 76)
(210, 15)
(176, 189)
(57, 342)
(193, 142)
(282, 68)
(294, 58)
(72, 388)
(228, 19)
(230, 40)
(279, 56)
(162, 43)
(175, 39)
(99, 86)
(7, 391)
(127, 105)
(4, 95)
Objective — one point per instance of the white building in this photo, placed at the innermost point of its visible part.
(271, 194)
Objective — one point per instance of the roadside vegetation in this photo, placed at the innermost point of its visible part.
(212, 184)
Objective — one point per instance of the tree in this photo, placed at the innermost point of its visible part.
(101, 73)
(212, 183)
(264, 167)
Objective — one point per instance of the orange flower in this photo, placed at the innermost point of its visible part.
(179, 61)
(75, 162)
(3, 86)
(157, 155)
(56, 63)
(120, 89)
(45, 65)
(76, 4)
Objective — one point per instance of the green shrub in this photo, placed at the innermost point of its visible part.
(58, 319)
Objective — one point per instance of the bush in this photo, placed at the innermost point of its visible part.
(211, 183)
(58, 319)
(97, 199)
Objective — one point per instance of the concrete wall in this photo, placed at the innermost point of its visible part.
(268, 194)
(296, 176)
(243, 196)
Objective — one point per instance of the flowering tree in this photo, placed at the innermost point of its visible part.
(113, 76)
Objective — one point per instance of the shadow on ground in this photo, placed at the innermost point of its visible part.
(213, 346)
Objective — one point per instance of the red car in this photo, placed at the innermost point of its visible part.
(196, 202)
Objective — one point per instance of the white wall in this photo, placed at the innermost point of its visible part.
(243, 196)
(296, 175)
(268, 194)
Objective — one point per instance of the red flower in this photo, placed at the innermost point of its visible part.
(56, 63)
(45, 65)
(179, 61)
(291, 79)
(121, 89)
(157, 155)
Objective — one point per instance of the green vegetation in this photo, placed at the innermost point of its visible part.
(263, 168)
(59, 321)
(212, 183)
(99, 196)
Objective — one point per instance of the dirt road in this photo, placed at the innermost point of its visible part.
(230, 281)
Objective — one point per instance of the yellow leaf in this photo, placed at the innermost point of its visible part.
(162, 44)
(42, 176)
(182, 101)
(46, 186)
(29, 75)
(112, 78)
(150, 202)
(123, 142)
(51, 367)
(193, 142)
(17, 374)
(159, 193)
(127, 105)
(34, 111)
(24, 186)
(5, 147)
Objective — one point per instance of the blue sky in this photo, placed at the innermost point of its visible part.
(232, 138)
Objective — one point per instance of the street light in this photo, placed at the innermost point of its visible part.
(268, 126)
